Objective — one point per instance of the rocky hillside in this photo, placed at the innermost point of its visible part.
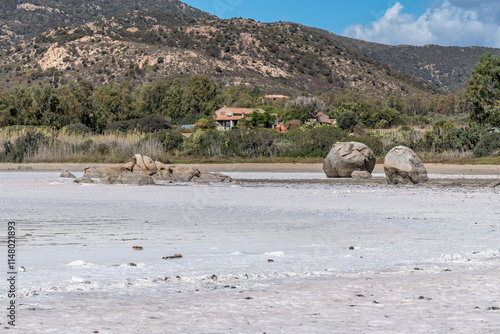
(52, 41)
(144, 45)
(22, 19)
(446, 67)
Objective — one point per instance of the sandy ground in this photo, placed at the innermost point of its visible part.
(440, 175)
(346, 258)
(265, 167)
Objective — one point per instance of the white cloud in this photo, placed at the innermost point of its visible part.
(454, 22)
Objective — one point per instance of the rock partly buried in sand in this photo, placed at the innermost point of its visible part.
(205, 177)
(121, 175)
(402, 166)
(183, 174)
(93, 172)
(361, 175)
(142, 170)
(346, 158)
(84, 179)
(66, 175)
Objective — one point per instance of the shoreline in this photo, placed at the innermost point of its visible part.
(432, 168)
(440, 175)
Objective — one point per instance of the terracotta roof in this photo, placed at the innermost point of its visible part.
(234, 114)
(226, 118)
(240, 110)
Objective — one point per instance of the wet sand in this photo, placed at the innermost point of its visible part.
(441, 175)
(485, 170)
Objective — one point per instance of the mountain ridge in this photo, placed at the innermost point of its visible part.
(145, 45)
(20, 19)
(58, 42)
(448, 67)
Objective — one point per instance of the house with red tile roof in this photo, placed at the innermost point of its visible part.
(229, 117)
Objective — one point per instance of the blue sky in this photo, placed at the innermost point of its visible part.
(415, 22)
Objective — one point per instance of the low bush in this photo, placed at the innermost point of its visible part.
(259, 142)
(25, 145)
(170, 139)
(373, 142)
(347, 120)
(488, 145)
(444, 138)
(119, 126)
(152, 123)
(315, 142)
(77, 128)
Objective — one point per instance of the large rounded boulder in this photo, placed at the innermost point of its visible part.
(402, 166)
(346, 158)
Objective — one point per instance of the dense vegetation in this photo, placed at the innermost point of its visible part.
(113, 106)
(80, 122)
(100, 81)
(483, 91)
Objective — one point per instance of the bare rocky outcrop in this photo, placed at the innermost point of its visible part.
(143, 170)
(402, 166)
(348, 157)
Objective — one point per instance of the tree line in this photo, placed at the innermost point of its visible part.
(184, 101)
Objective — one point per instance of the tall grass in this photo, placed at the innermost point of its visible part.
(24, 144)
(41, 144)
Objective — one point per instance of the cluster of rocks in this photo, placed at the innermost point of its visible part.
(143, 170)
(357, 161)
(21, 168)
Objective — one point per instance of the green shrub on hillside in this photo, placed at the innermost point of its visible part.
(445, 138)
(315, 142)
(373, 142)
(347, 120)
(119, 126)
(77, 128)
(259, 142)
(152, 123)
(488, 145)
(170, 139)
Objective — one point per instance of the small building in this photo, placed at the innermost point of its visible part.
(229, 117)
(275, 97)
